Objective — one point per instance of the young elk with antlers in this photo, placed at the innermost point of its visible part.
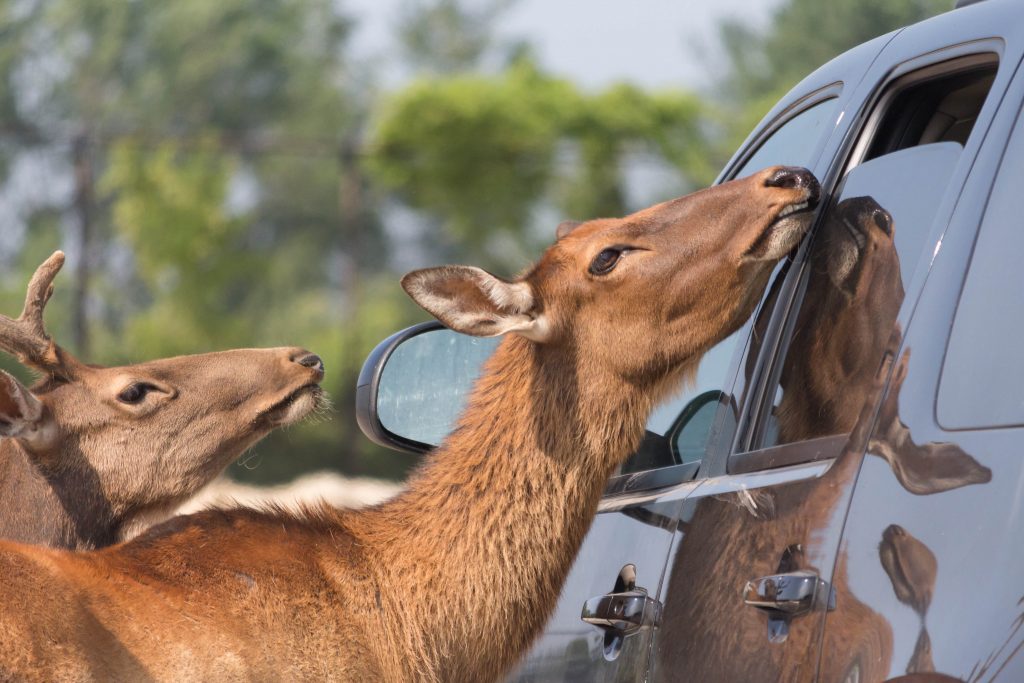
(451, 580)
(90, 454)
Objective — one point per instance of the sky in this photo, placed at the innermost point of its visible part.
(655, 43)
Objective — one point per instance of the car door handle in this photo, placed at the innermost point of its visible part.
(627, 612)
(787, 595)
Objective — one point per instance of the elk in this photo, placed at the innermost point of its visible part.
(453, 578)
(91, 455)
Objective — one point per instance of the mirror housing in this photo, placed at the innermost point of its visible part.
(415, 383)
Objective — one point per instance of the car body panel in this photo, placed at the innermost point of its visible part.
(708, 633)
(941, 568)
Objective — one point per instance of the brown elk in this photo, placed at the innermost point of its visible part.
(452, 579)
(91, 455)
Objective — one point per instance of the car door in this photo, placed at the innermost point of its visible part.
(931, 544)
(755, 567)
(636, 527)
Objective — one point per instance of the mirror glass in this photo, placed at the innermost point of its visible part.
(425, 382)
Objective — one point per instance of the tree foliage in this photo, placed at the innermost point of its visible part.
(484, 153)
(214, 134)
(447, 36)
(222, 170)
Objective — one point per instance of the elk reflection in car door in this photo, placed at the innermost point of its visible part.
(750, 529)
(845, 325)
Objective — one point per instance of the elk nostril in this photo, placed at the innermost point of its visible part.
(787, 177)
(883, 220)
(793, 177)
(311, 360)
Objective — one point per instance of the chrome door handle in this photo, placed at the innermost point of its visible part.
(788, 595)
(626, 612)
(791, 594)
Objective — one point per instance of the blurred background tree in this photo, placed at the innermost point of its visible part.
(226, 174)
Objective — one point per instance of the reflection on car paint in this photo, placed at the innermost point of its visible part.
(912, 568)
(928, 468)
(839, 360)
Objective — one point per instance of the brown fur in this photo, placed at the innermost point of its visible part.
(451, 580)
(81, 469)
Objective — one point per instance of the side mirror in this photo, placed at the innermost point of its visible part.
(415, 384)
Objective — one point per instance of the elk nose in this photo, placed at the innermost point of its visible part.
(311, 360)
(793, 177)
(883, 219)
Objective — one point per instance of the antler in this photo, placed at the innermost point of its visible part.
(26, 336)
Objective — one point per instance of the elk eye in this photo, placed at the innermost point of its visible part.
(605, 261)
(134, 393)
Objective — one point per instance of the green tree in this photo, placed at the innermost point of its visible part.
(484, 153)
(208, 146)
(446, 36)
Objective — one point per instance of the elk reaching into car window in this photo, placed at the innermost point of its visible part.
(91, 455)
(452, 579)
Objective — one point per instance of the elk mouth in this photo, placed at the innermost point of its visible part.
(785, 231)
(799, 207)
(295, 406)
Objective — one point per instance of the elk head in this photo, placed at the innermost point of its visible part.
(134, 441)
(670, 281)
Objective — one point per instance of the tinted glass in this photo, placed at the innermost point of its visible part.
(862, 257)
(795, 143)
(983, 374)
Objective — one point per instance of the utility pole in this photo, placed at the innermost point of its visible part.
(81, 156)
(351, 212)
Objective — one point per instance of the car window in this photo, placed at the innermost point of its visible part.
(981, 383)
(680, 430)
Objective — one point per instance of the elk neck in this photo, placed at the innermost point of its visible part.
(53, 506)
(488, 528)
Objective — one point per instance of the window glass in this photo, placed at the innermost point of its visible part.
(861, 259)
(679, 431)
(795, 142)
(983, 375)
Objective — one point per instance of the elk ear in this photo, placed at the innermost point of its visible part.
(565, 227)
(21, 414)
(472, 301)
